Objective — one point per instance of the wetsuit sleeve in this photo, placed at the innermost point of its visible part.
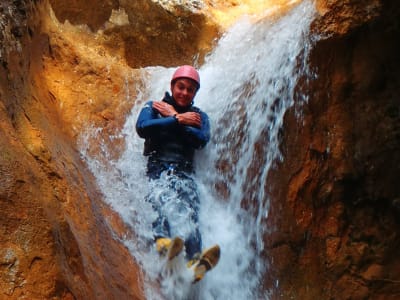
(148, 122)
(198, 137)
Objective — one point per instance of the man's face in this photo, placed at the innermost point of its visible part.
(183, 91)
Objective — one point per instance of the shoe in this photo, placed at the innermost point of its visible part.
(175, 248)
(162, 245)
(171, 247)
(208, 260)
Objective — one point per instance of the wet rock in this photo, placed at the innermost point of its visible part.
(341, 158)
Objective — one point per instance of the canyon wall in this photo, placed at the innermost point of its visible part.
(66, 66)
(335, 211)
(55, 240)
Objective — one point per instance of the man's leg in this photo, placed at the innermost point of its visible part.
(188, 195)
(161, 228)
(193, 244)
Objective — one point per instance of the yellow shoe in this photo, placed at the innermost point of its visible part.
(208, 260)
(162, 245)
(175, 247)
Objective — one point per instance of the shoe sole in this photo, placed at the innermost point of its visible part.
(208, 260)
(175, 248)
(210, 257)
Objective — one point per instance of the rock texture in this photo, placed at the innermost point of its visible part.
(336, 207)
(65, 66)
(55, 240)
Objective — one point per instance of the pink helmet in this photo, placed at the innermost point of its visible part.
(186, 71)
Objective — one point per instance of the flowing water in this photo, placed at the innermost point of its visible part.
(248, 83)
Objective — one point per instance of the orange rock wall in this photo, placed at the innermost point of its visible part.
(56, 234)
(335, 211)
(148, 35)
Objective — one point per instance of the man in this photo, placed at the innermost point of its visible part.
(173, 129)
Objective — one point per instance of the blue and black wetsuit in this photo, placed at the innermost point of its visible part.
(170, 148)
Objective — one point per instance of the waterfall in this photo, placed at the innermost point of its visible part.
(248, 83)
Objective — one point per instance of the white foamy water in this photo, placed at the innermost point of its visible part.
(248, 83)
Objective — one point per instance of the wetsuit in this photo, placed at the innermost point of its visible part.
(170, 148)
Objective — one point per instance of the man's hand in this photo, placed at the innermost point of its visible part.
(165, 109)
(187, 118)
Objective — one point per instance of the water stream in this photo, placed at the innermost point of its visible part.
(248, 83)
